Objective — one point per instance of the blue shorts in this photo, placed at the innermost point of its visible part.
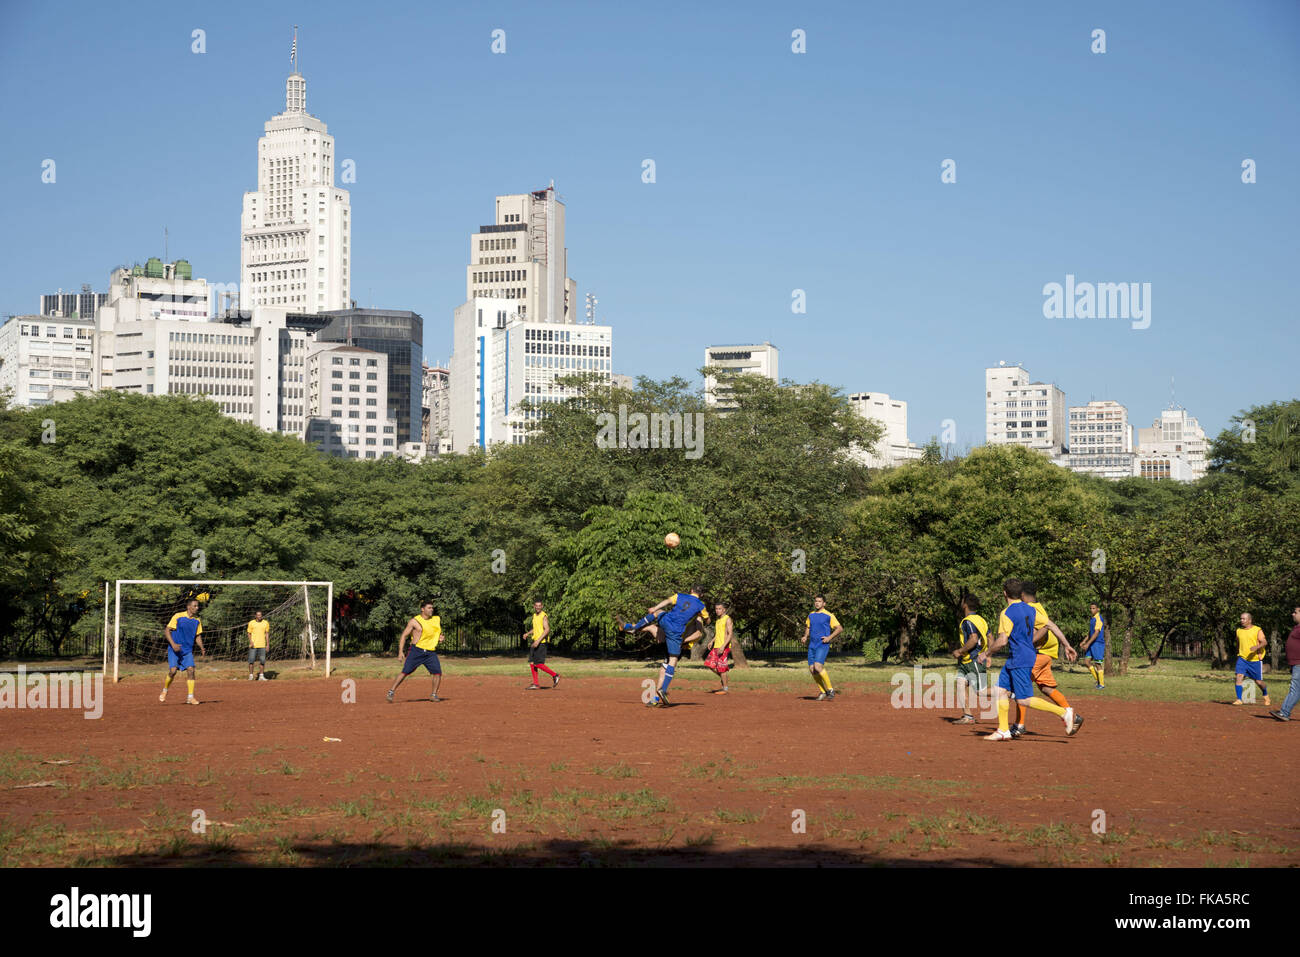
(1095, 651)
(182, 661)
(1019, 681)
(419, 656)
(1251, 669)
(674, 642)
(817, 651)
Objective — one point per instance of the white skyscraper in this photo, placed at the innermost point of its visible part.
(738, 360)
(522, 258)
(1101, 440)
(295, 252)
(893, 448)
(1173, 448)
(500, 359)
(1020, 412)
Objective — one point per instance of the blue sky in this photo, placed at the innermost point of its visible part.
(775, 172)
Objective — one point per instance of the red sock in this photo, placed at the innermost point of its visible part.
(543, 668)
(534, 667)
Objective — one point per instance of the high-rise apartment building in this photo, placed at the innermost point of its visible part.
(521, 258)
(1101, 440)
(295, 251)
(46, 359)
(1174, 447)
(1020, 412)
(893, 448)
(762, 359)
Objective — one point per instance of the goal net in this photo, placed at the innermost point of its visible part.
(300, 615)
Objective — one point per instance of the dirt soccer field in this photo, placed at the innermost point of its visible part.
(586, 775)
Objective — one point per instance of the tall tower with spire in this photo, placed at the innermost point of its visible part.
(295, 250)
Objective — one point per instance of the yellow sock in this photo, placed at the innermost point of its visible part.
(167, 682)
(189, 685)
(1003, 707)
(826, 680)
(1041, 704)
(817, 677)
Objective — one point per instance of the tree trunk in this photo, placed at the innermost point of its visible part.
(737, 652)
(1128, 642)
(1220, 651)
(906, 634)
(1161, 647)
(1275, 646)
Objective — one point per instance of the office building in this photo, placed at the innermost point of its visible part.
(45, 359)
(1101, 440)
(399, 334)
(893, 447)
(1020, 412)
(761, 359)
(521, 258)
(1175, 447)
(81, 305)
(296, 226)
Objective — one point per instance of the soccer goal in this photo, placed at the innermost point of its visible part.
(301, 616)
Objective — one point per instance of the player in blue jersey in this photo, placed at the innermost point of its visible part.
(676, 619)
(1020, 626)
(820, 628)
(184, 631)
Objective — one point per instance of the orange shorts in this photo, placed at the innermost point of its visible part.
(1042, 673)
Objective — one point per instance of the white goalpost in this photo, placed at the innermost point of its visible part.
(142, 608)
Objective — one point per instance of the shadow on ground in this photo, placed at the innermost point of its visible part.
(552, 853)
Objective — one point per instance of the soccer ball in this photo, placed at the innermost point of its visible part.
(672, 539)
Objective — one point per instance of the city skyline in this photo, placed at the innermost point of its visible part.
(906, 277)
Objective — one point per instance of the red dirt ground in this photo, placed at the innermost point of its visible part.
(417, 782)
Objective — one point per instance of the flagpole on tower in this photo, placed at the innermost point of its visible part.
(293, 51)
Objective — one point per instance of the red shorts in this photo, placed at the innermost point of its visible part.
(716, 660)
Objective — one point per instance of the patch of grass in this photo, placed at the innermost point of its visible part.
(700, 840)
(619, 770)
(727, 816)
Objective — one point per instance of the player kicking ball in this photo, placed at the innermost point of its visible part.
(676, 619)
(184, 631)
(425, 631)
(1019, 627)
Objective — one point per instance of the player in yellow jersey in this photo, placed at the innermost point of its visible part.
(538, 634)
(972, 673)
(717, 660)
(258, 629)
(1049, 649)
(1250, 656)
(425, 631)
